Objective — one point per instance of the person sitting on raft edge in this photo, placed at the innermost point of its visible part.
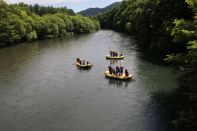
(83, 62)
(126, 72)
(110, 70)
(78, 61)
(87, 62)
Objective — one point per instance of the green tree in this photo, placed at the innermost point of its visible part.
(22, 22)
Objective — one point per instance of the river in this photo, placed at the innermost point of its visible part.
(42, 90)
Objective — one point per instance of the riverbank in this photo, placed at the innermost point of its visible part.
(21, 22)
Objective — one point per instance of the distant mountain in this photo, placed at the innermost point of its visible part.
(95, 11)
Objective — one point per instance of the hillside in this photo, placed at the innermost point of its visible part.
(95, 11)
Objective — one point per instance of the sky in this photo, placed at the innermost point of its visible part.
(76, 5)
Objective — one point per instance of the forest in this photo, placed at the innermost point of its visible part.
(164, 27)
(22, 22)
(168, 27)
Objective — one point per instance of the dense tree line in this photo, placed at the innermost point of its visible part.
(42, 10)
(151, 20)
(18, 22)
(168, 27)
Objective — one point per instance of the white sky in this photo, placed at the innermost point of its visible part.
(76, 5)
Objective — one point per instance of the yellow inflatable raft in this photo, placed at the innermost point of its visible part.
(123, 77)
(118, 57)
(84, 66)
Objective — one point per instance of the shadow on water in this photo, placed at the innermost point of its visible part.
(177, 106)
(153, 57)
(168, 103)
(115, 62)
(68, 38)
(83, 69)
(118, 83)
